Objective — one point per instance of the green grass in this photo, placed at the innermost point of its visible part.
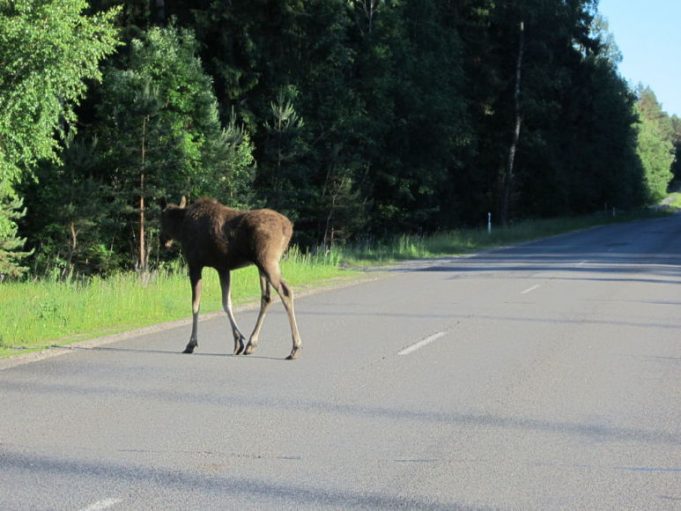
(673, 200)
(40, 313)
(473, 240)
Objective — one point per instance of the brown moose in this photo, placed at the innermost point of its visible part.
(223, 238)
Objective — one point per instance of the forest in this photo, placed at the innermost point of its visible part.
(359, 119)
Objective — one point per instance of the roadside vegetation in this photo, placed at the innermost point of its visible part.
(673, 201)
(381, 129)
(356, 119)
(464, 241)
(42, 313)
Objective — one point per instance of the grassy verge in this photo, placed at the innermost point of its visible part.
(673, 200)
(41, 313)
(38, 314)
(473, 240)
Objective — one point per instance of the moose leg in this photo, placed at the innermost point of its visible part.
(273, 274)
(227, 306)
(287, 298)
(265, 300)
(195, 278)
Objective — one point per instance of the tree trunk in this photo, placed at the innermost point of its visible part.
(142, 238)
(508, 177)
(328, 229)
(160, 11)
(143, 251)
(72, 248)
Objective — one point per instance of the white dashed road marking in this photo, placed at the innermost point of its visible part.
(529, 289)
(101, 505)
(421, 344)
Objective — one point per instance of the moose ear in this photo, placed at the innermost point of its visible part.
(183, 202)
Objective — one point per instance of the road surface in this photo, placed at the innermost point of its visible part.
(543, 376)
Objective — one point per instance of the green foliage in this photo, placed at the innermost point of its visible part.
(358, 119)
(465, 241)
(410, 60)
(159, 125)
(48, 50)
(676, 139)
(281, 171)
(159, 109)
(38, 314)
(55, 312)
(655, 145)
(10, 244)
(72, 215)
(673, 201)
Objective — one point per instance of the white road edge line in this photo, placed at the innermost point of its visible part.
(100, 505)
(421, 344)
(530, 289)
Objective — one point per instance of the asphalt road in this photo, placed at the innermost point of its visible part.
(544, 376)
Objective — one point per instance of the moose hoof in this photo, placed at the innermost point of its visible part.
(249, 349)
(294, 354)
(239, 345)
(190, 348)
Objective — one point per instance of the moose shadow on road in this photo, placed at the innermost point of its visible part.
(115, 349)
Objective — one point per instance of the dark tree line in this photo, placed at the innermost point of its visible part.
(357, 118)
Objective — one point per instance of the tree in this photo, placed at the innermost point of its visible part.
(159, 123)
(605, 168)
(415, 130)
(71, 214)
(556, 41)
(10, 244)
(576, 152)
(48, 50)
(298, 102)
(366, 118)
(655, 146)
(284, 146)
(600, 165)
(508, 175)
(676, 166)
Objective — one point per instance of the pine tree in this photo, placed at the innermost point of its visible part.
(160, 123)
(11, 255)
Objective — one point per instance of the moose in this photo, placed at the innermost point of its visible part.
(214, 235)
